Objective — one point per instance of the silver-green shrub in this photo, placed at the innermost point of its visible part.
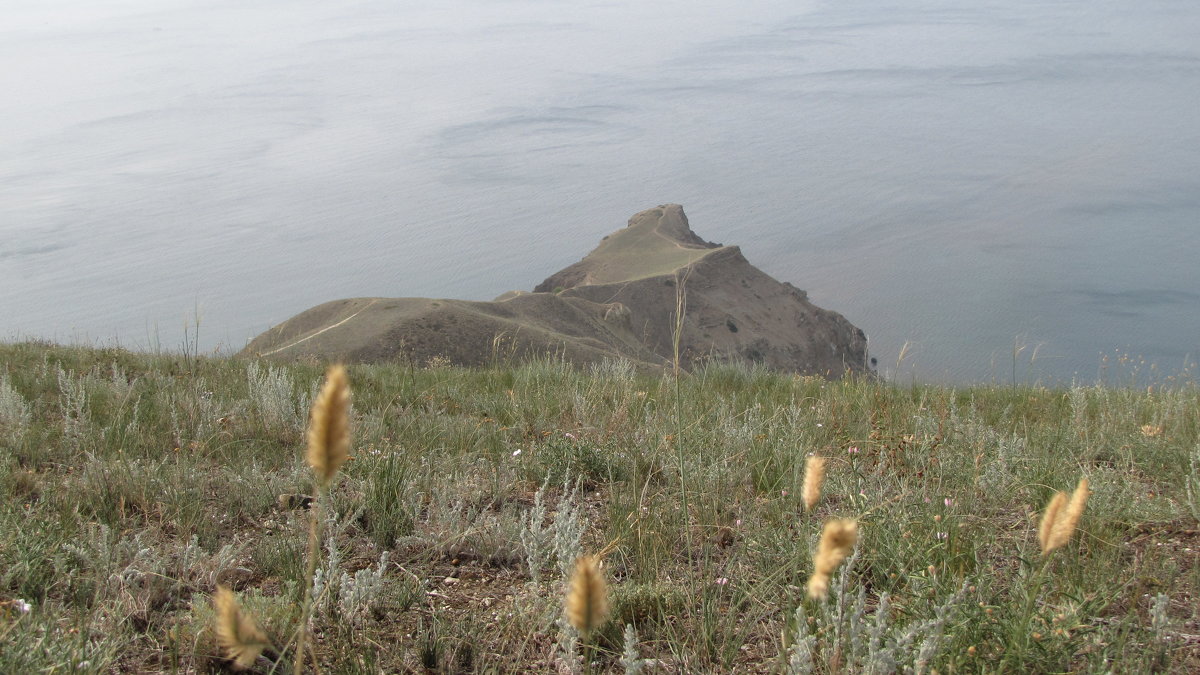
(1192, 484)
(535, 536)
(273, 396)
(631, 660)
(569, 526)
(867, 643)
(73, 406)
(14, 412)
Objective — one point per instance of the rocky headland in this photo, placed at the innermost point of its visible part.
(618, 301)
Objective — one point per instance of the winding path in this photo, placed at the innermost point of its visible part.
(313, 335)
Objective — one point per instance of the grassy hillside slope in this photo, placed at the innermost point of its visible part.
(134, 485)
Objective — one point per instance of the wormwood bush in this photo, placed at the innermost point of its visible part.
(326, 577)
(568, 658)
(111, 567)
(840, 636)
(569, 526)
(73, 406)
(358, 595)
(40, 643)
(335, 591)
(112, 560)
(562, 540)
(360, 592)
(195, 413)
(1192, 485)
(631, 659)
(535, 535)
(996, 453)
(14, 411)
(273, 396)
(195, 564)
(615, 369)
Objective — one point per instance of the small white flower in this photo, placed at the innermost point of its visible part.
(22, 606)
(516, 452)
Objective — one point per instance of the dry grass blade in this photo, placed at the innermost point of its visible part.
(587, 600)
(1068, 517)
(814, 478)
(837, 541)
(329, 429)
(237, 633)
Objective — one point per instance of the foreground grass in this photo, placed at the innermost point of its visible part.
(133, 486)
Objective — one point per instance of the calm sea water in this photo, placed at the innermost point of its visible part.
(970, 179)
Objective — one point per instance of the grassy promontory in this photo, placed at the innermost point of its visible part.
(134, 486)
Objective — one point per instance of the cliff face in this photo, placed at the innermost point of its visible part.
(619, 301)
(732, 310)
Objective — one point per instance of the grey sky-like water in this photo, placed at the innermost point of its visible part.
(960, 176)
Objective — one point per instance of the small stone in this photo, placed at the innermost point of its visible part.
(723, 537)
(289, 502)
(236, 578)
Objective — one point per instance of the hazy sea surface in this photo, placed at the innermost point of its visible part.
(974, 179)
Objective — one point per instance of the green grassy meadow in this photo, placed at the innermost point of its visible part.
(133, 485)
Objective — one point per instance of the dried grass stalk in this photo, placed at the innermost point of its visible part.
(837, 542)
(587, 600)
(237, 633)
(814, 478)
(1068, 518)
(329, 428)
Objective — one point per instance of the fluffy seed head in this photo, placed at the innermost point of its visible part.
(587, 601)
(1067, 518)
(237, 633)
(1049, 516)
(837, 542)
(329, 428)
(814, 477)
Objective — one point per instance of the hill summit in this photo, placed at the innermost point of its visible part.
(618, 301)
